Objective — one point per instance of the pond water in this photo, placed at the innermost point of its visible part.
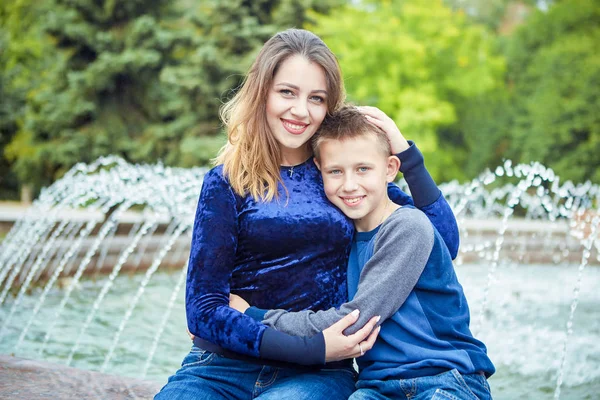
(524, 326)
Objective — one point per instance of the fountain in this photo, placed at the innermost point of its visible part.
(91, 275)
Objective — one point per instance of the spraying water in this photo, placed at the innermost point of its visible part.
(106, 220)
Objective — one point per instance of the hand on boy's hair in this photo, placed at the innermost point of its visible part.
(380, 119)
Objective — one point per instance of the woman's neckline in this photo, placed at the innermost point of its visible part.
(296, 165)
(289, 170)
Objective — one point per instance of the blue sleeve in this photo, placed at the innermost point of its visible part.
(294, 349)
(426, 196)
(258, 314)
(212, 258)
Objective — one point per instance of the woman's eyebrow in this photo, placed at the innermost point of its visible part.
(292, 86)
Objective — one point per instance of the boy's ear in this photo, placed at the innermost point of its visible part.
(317, 163)
(393, 166)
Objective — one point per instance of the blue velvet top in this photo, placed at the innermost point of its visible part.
(289, 254)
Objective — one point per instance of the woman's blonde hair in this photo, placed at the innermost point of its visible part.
(251, 158)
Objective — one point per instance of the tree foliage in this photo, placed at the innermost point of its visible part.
(419, 62)
(24, 59)
(98, 90)
(495, 13)
(144, 79)
(554, 67)
(549, 108)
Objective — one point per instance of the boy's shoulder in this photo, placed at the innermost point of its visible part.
(408, 216)
(408, 224)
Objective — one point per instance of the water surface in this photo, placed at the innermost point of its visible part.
(524, 328)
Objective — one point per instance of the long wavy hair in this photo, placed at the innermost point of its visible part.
(251, 157)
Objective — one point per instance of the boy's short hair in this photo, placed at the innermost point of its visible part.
(348, 123)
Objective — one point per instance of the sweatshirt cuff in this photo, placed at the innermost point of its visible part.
(422, 187)
(258, 314)
(279, 346)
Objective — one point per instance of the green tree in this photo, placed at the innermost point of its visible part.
(143, 79)
(421, 63)
(554, 75)
(497, 14)
(98, 90)
(26, 63)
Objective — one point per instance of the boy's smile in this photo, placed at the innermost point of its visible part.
(355, 176)
(352, 201)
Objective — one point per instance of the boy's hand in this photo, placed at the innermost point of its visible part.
(238, 303)
(339, 346)
(380, 119)
(190, 335)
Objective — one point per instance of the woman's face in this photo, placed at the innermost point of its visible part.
(296, 106)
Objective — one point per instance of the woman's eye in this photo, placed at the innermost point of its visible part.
(286, 92)
(318, 99)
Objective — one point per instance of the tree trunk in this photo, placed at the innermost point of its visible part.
(26, 194)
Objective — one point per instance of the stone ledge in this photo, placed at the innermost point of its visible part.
(31, 379)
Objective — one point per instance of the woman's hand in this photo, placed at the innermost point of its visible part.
(339, 346)
(236, 302)
(380, 119)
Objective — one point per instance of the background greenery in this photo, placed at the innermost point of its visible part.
(472, 81)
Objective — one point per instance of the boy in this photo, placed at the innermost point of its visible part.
(400, 269)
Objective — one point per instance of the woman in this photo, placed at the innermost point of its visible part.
(265, 230)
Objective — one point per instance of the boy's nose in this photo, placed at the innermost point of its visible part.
(350, 184)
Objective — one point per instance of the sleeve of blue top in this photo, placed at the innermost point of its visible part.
(214, 242)
(426, 196)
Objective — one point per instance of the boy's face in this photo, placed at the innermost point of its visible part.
(355, 175)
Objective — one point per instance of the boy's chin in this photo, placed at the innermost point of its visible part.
(352, 213)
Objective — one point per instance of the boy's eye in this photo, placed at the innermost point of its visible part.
(363, 169)
(335, 172)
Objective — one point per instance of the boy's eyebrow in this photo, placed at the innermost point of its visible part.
(328, 166)
(297, 88)
(358, 164)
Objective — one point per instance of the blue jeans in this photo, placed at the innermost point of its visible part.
(448, 385)
(206, 375)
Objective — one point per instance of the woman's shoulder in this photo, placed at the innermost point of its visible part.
(216, 170)
(215, 179)
(215, 174)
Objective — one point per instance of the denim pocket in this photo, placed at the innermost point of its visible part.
(441, 394)
(486, 384)
(197, 357)
(463, 383)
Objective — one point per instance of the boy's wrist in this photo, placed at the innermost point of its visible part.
(258, 314)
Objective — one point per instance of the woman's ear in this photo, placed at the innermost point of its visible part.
(393, 166)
